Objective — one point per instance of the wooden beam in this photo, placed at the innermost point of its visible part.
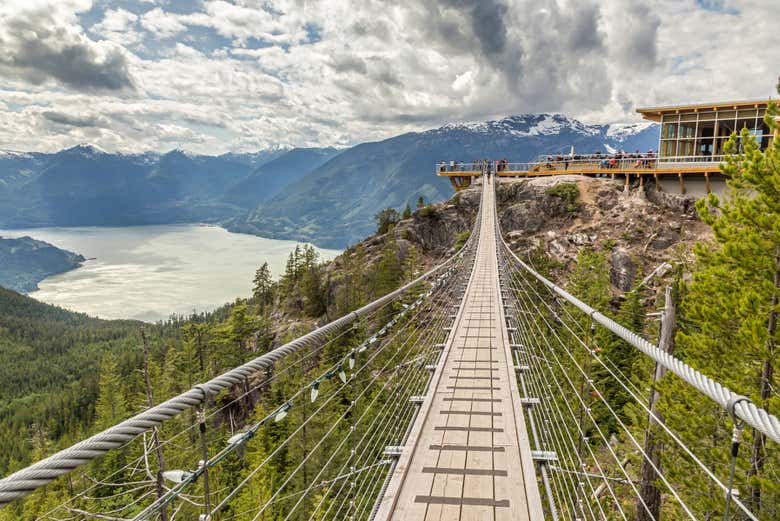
(707, 179)
(657, 186)
(682, 182)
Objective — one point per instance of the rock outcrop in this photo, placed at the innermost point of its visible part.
(640, 230)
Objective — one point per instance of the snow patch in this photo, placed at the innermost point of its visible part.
(623, 131)
(13, 154)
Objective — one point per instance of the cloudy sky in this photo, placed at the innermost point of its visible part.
(212, 76)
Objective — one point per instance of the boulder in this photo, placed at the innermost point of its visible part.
(622, 269)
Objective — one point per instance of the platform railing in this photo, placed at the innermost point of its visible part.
(639, 162)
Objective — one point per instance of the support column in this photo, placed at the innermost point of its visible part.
(707, 179)
(682, 182)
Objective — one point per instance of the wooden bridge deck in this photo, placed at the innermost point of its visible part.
(468, 455)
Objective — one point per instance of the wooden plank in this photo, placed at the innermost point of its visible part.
(467, 458)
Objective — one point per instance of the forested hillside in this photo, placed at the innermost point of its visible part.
(24, 262)
(67, 375)
(616, 249)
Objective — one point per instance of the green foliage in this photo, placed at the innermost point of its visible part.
(385, 219)
(420, 202)
(70, 376)
(263, 290)
(49, 368)
(622, 359)
(589, 280)
(461, 239)
(389, 271)
(24, 262)
(568, 192)
(407, 212)
(428, 211)
(729, 310)
(111, 406)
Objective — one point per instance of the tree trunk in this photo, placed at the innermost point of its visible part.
(649, 492)
(765, 386)
(155, 435)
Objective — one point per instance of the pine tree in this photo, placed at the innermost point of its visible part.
(407, 212)
(263, 287)
(197, 335)
(730, 308)
(385, 220)
(111, 406)
(420, 202)
(621, 357)
(312, 287)
(389, 271)
(350, 293)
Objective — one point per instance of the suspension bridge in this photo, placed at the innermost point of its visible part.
(468, 393)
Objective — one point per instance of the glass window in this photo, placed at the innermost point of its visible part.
(725, 127)
(668, 148)
(707, 116)
(747, 114)
(745, 123)
(727, 114)
(669, 131)
(704, 148)
(687, 130)
(690, 116)
(706, 129)
(685, 147)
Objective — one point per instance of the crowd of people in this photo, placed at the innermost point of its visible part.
(482, 165)
(553, 162)
(637, 159)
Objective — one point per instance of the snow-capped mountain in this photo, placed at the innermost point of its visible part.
(556, 125)
(335, 204)
(326, 196)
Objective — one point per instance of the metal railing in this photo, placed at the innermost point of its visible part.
(578, 162)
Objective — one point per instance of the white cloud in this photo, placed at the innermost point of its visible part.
(255, 73)
(44, 44)
(118, 25)
(162, 24)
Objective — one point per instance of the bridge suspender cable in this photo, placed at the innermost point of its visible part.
(737, 405)
(27, 480)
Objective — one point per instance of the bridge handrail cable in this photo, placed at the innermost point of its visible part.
(739, 406)
(29, 479)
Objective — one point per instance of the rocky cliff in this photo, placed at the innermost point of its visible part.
(643, 230)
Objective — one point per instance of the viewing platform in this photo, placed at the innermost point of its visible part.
(632, 167)
(691, 145)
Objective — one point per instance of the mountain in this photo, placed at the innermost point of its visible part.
(334, 205)
(275, 175)
(320, 195)
(49, 366)
(85, 185)
(24, 262)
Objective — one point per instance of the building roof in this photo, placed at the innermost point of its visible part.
(655, 113)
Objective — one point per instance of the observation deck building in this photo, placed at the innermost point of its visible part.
(690, 150)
